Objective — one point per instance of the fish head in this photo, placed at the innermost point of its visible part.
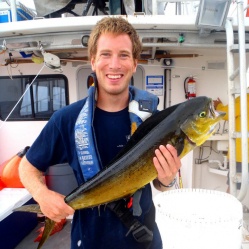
(201, 121)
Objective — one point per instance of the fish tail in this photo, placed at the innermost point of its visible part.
(49, 226)
(32, 208)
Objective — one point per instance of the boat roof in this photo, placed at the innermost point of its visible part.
(64, 35)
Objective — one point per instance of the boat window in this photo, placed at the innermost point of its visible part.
(36, 101)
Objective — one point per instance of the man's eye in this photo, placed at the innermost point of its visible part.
(105, 54)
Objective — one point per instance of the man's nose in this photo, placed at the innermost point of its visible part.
(115, 62)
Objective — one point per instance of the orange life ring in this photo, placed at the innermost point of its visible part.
(9, 174)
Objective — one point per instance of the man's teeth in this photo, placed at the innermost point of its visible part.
(114, 76)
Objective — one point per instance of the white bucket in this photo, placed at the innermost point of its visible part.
(199, 219)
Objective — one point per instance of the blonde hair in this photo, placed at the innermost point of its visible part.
(114, 25)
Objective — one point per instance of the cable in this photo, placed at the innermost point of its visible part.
(21, 97)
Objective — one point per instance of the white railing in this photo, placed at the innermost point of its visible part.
(241, 71)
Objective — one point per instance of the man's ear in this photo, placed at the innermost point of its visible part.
(93, 64)
(135, 66)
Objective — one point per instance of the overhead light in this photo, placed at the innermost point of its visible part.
(84, 40)
(212, 14)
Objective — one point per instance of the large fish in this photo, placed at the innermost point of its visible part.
(185, 126)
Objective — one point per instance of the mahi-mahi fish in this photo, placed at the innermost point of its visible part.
(185, 126)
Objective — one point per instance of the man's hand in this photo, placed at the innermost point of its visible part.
(53, 206)
(167, 164)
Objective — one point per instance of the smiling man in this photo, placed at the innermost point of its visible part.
(104, 122)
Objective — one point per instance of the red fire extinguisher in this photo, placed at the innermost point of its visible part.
(190, 87)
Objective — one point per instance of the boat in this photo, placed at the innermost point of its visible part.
(190, 48)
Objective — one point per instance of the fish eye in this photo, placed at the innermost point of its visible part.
(202, 115)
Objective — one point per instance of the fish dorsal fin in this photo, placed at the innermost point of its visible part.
(144, 129)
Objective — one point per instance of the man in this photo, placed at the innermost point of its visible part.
(112, 109)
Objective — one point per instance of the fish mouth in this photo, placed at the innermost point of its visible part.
(213, 112)
(190, 141)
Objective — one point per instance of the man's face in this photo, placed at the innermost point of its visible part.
(114, 64)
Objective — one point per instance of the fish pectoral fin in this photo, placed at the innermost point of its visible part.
(49, 226)
(179, 147)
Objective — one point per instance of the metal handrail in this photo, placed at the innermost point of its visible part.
(154, 3)
(231, 98)
(243, 101)
(243, 104)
